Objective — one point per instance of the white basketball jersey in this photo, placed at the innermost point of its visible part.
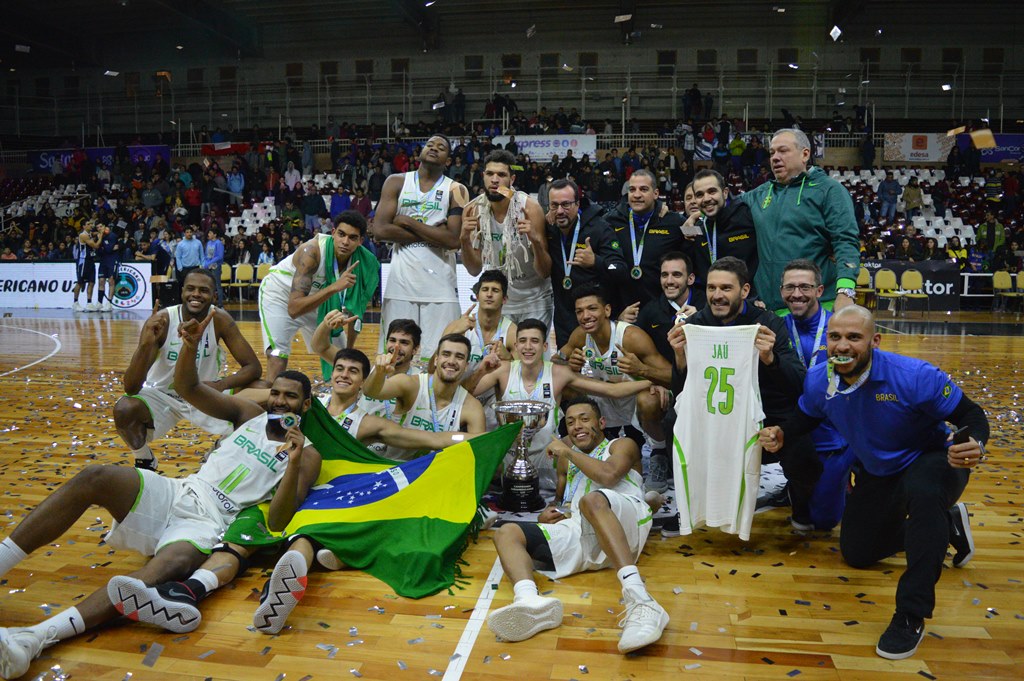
(421, 415)
(245, 469)
(383, 408)
(577, 485)
(210, 359)
(717, 461)
(348, 419)
(525, 286)
(421, 273)
(605, 365)
(281, 274)
(543, 391)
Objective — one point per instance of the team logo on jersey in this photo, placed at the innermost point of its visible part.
(947, 390)
(130, 287)
(886, 397)
(438, 195)
(615, 244)
(547, 391)
(347, 423)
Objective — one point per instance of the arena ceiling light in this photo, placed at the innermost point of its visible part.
(946, 87)
(794, 66)
(835, 33)
(112, 73)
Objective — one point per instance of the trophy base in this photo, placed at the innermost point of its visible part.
(521, 495)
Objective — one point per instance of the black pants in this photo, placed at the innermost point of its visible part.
(908, 511)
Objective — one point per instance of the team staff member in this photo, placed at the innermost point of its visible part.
(803, 213)
(807, 321)
(678, 296)
(583, 251)
(725, 229)
(780, 374)
(892, 410)
(645, 229)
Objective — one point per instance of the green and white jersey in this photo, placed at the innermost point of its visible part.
(210, 358)
(577, 485)
(419, 272)
(423, 415)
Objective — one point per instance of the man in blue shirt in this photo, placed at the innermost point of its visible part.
(187, 256)
(213, 259)
(110, 257)
(801, 290)
(909, 469)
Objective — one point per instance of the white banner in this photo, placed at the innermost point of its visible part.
(914, 146)
(543, 147)
(465, 283)
(49, 285)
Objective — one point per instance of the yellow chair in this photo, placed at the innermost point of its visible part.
(1002, 285)
(912, 283)
(244, 275)
(864, 287)
(886, 288)
(261, 273)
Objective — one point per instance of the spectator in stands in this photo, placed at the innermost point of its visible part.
(872, 248)
(1008, 257)
(1011, 193)
(913, 199)
(292, 177)
(889, 192)
(991, 233)
(720, 159)
(954, 163)
(151, 198)
(931, 250)
(979, 258)
(867, 151)
(956, 252)
(803, 213)
(8, 256)
(940, 197)
(906, 250)
(692, 102)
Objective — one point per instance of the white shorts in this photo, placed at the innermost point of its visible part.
(277, 326)
(573, 541)
(431, 318)
(618, 412)
(541, 307)
(170, 510)
(167, 410)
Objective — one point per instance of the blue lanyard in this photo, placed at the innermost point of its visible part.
(795, 340)
(638, 247)
(433, 405)
(561, 242)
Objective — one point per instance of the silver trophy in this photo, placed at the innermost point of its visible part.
(520, 483)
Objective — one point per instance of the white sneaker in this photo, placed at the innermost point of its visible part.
(281, 593)
(328, 560)
(92, 307)
(487, 517)
(19, 646)
(526, 618)
(643, 621)
(77, 307)
(107, 307)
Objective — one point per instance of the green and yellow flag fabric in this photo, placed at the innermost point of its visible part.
(406, 524)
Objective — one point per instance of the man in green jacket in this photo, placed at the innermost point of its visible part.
(803, 213)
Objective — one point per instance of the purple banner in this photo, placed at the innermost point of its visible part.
(42, 161)
(1008, 148)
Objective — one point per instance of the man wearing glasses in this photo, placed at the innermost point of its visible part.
(583, 251)
(808, 323)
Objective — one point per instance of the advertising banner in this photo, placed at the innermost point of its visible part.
(1008, 148)
(49, 285)
(915, 147)
(941, 279)
(42, 161)
(543, 147)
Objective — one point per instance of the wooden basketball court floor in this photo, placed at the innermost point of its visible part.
(780, 606)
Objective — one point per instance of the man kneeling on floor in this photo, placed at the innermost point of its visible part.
(606, 525)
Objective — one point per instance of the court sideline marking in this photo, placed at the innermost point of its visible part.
(56, 349)
(458, 660)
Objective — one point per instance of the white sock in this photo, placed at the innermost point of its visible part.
(63, 625)
(630, 578)
(207, 578)
(143, 452)
(10, 555)
(657, 444)
(524, 588)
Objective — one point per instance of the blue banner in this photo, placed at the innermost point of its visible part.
(1008, 148)
(42, 161)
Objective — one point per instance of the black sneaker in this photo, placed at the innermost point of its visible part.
(902, 638)
(171, 606)
(960, 536)
(671, 527)
(148, 464)
(779, 499)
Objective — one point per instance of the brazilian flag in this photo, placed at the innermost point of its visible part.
(406, 524)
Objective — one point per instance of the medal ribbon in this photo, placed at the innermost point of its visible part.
(561, 241)
(795, 338)
(638, 249)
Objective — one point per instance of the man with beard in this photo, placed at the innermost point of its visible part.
(420, 212)
(176, 522)
(330, 271)
(584, 252)
(910, 469)
(503, 229)
(151, 406)
(779, 371)
(725, 229)
(606, 525)
(806, 322)
(677, 299)
(432, 402)
(645, 229)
